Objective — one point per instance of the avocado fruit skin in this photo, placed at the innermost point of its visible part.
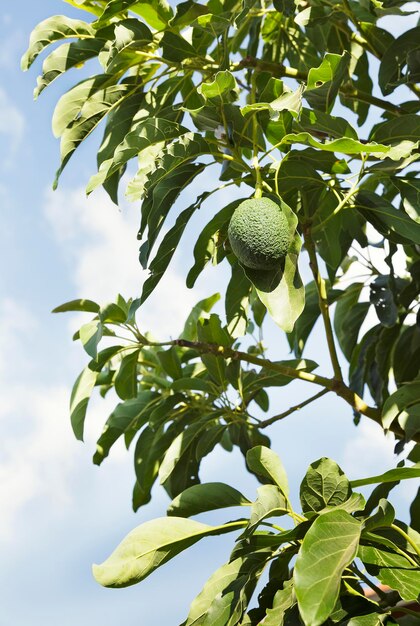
(259, 234)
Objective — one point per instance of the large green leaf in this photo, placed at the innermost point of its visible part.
(328, 547)
(206, 497)
(283, 600)
(201, 309)
(265, 463)
(324, 484)
(53, 29)
(347, 145)
(150, 545)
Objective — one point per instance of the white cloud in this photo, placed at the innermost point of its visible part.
(12, 125)
(368, 451)
(99, 241)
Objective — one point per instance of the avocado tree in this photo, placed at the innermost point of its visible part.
(256, 94)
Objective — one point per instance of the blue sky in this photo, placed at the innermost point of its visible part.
(59, 513)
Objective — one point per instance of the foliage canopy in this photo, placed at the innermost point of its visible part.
(258, 94)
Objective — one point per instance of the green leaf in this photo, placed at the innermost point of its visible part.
(150, 545)
(393, 570)
(324, 81)
(81, 109)
(349, 316)
(151, 447)
(222, 89)
(144, 134)
(397, 130)
(156, 12)
(125, 413)
(283, 600)
(160, 199)
(324, 484)
(399, 402)
(347, 145)
(227, 592)
(265, 463)
(129, 34)
(287, 101)
(90, 336)
(383, 517)
(176, 48)
(170, 362)
(328, 547)
(53, 29)
(206, 497)
(208, 242)
(270, 502)
(65, 57)
(79, 400)
(399, 473)
(389, 221)
(237, 301)
(401, 53)
(180, 447)
(199, 310)
(78, 305)
(126, 378)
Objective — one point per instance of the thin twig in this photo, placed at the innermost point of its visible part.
(292, 409)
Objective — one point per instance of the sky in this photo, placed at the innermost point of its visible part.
(59, 513)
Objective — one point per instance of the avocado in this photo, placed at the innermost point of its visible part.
(259, 234)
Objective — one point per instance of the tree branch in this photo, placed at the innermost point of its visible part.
(323, 303)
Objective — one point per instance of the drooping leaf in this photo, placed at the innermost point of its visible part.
(149, 546)
(79, 400)
(208, 243)
(90, 336)
(125, 414)
(328, 547)
(265, 463)
(206, 497)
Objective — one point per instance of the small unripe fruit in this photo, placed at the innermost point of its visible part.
(259, 234)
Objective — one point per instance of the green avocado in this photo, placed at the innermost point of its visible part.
(259, 234)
